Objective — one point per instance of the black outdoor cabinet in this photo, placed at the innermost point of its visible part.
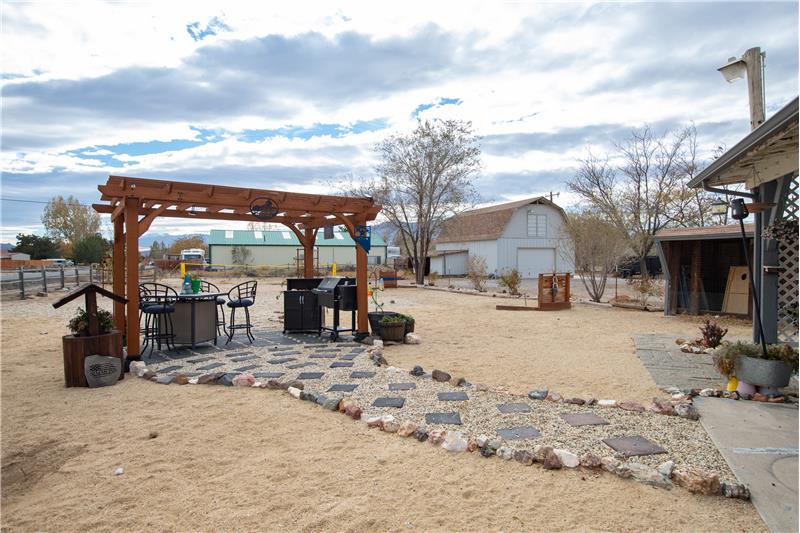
(301, 312)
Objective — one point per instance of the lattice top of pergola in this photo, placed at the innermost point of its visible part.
(199, 200)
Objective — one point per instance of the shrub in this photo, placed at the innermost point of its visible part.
(510, 279)
(712, 334)
(476, 272)
(390, 320)
(432, 278)
(645, 288)
(79, 324)
(775, 352)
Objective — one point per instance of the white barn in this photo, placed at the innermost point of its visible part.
(526, 235)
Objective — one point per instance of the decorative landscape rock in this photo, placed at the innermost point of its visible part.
(537, 394)
(648, 475)
(421, 434)
(687, 410)
(523, 456)
(696, 480)
(354, 412)
(374, 422)
(180, 379)
(413, 338)
(407, 428)
(616, 467)
(590, 460)
(505, 453)
(631, 406)
(417, 371)
(148, 374)
(575, 401)
(553, 397)
(389, 424)
(540, 451)
(244, 380)
(294, 392)
(439, 375)
(209, 378)
(436, 436)
(735, 490)
(662, 407)
(551, 460)
(138, 368)
(568, 459)
(455, 442)
(607, 403)
(332, 404)
(666, 468)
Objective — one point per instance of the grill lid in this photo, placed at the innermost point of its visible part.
(328, 284)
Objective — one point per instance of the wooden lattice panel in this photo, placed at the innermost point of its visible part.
(788, 283)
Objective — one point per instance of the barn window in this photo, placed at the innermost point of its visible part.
(228, 234)
(537, 224)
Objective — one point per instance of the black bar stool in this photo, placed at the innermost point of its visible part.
(207, 286)
(241, 296)
(159, 301)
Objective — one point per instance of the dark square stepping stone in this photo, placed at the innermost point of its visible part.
(245, 368)
(310, 375)
(341, 364)
(583, 419)
(389, 402)
(322, 356)
(452, 396)
(201, 359)
(508, 408)
(342, 387)
(284, 353)
(443, 418)
(238, 354)
(165, 380)
(362, 374)
(168, 369)
(243, 358)
(520, 433)
(269, 375)
(300, 365)
(212, 366)
(635, 445)
(349, 357)
(402, 386)
(281, 361)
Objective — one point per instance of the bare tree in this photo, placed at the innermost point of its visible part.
(424, 178)
(648, 190)
(595, 246)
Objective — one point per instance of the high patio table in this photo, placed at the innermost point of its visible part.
(195, 318)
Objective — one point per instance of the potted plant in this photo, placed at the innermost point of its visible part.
(375, 317)
(773, 371)
(409, 322)
(393, 328)
(79, 324)
(195, 277)
(724, 359)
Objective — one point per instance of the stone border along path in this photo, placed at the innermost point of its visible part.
(511, 425)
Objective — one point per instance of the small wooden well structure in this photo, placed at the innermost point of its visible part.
(75, 349)
(554, 291)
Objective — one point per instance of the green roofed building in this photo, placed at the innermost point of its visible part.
(281, 247)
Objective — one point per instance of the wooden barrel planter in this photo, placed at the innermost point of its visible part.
(77, 348)
(393, 332)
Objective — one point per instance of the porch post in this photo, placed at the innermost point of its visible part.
(132, 268)
(361, 288)
(118, 274)
(768, 256)
(694, 280)
(309, 236)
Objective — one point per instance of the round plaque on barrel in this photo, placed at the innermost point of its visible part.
(101, 370)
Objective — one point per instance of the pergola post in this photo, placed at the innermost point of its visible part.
(361, 288)
(118, 274)
(309, 238)
(132, 271)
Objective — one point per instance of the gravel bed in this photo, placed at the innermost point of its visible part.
(686, 441)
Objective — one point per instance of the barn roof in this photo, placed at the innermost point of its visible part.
(486, 223)
(221, 237)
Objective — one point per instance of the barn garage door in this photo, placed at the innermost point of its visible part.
(533, 261)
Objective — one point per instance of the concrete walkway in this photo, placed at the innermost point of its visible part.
(670, 367)
(759, 442)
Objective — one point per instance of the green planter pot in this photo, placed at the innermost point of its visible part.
(195, 286)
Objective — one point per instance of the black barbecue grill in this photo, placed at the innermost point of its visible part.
(338, 294)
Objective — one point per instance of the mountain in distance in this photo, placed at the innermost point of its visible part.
(146, 240)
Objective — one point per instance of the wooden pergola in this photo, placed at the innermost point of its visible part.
(134, 203)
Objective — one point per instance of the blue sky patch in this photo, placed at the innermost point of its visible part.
(317, 130)
(439, 103)
(214, 26)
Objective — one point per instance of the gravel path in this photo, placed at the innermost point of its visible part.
(686, 441)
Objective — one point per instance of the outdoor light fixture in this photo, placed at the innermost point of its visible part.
(719, 206)
(734, 69)
(739, 212)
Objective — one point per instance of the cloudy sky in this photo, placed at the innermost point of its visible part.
(292, 95)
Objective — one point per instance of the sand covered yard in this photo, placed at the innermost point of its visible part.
(222, 458)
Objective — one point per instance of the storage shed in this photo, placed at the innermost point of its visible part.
(705, 269)
(525, 235)
(276, 248)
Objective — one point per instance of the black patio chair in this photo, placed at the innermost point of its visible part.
(159, 304)
(207, 286)
(241, 296)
